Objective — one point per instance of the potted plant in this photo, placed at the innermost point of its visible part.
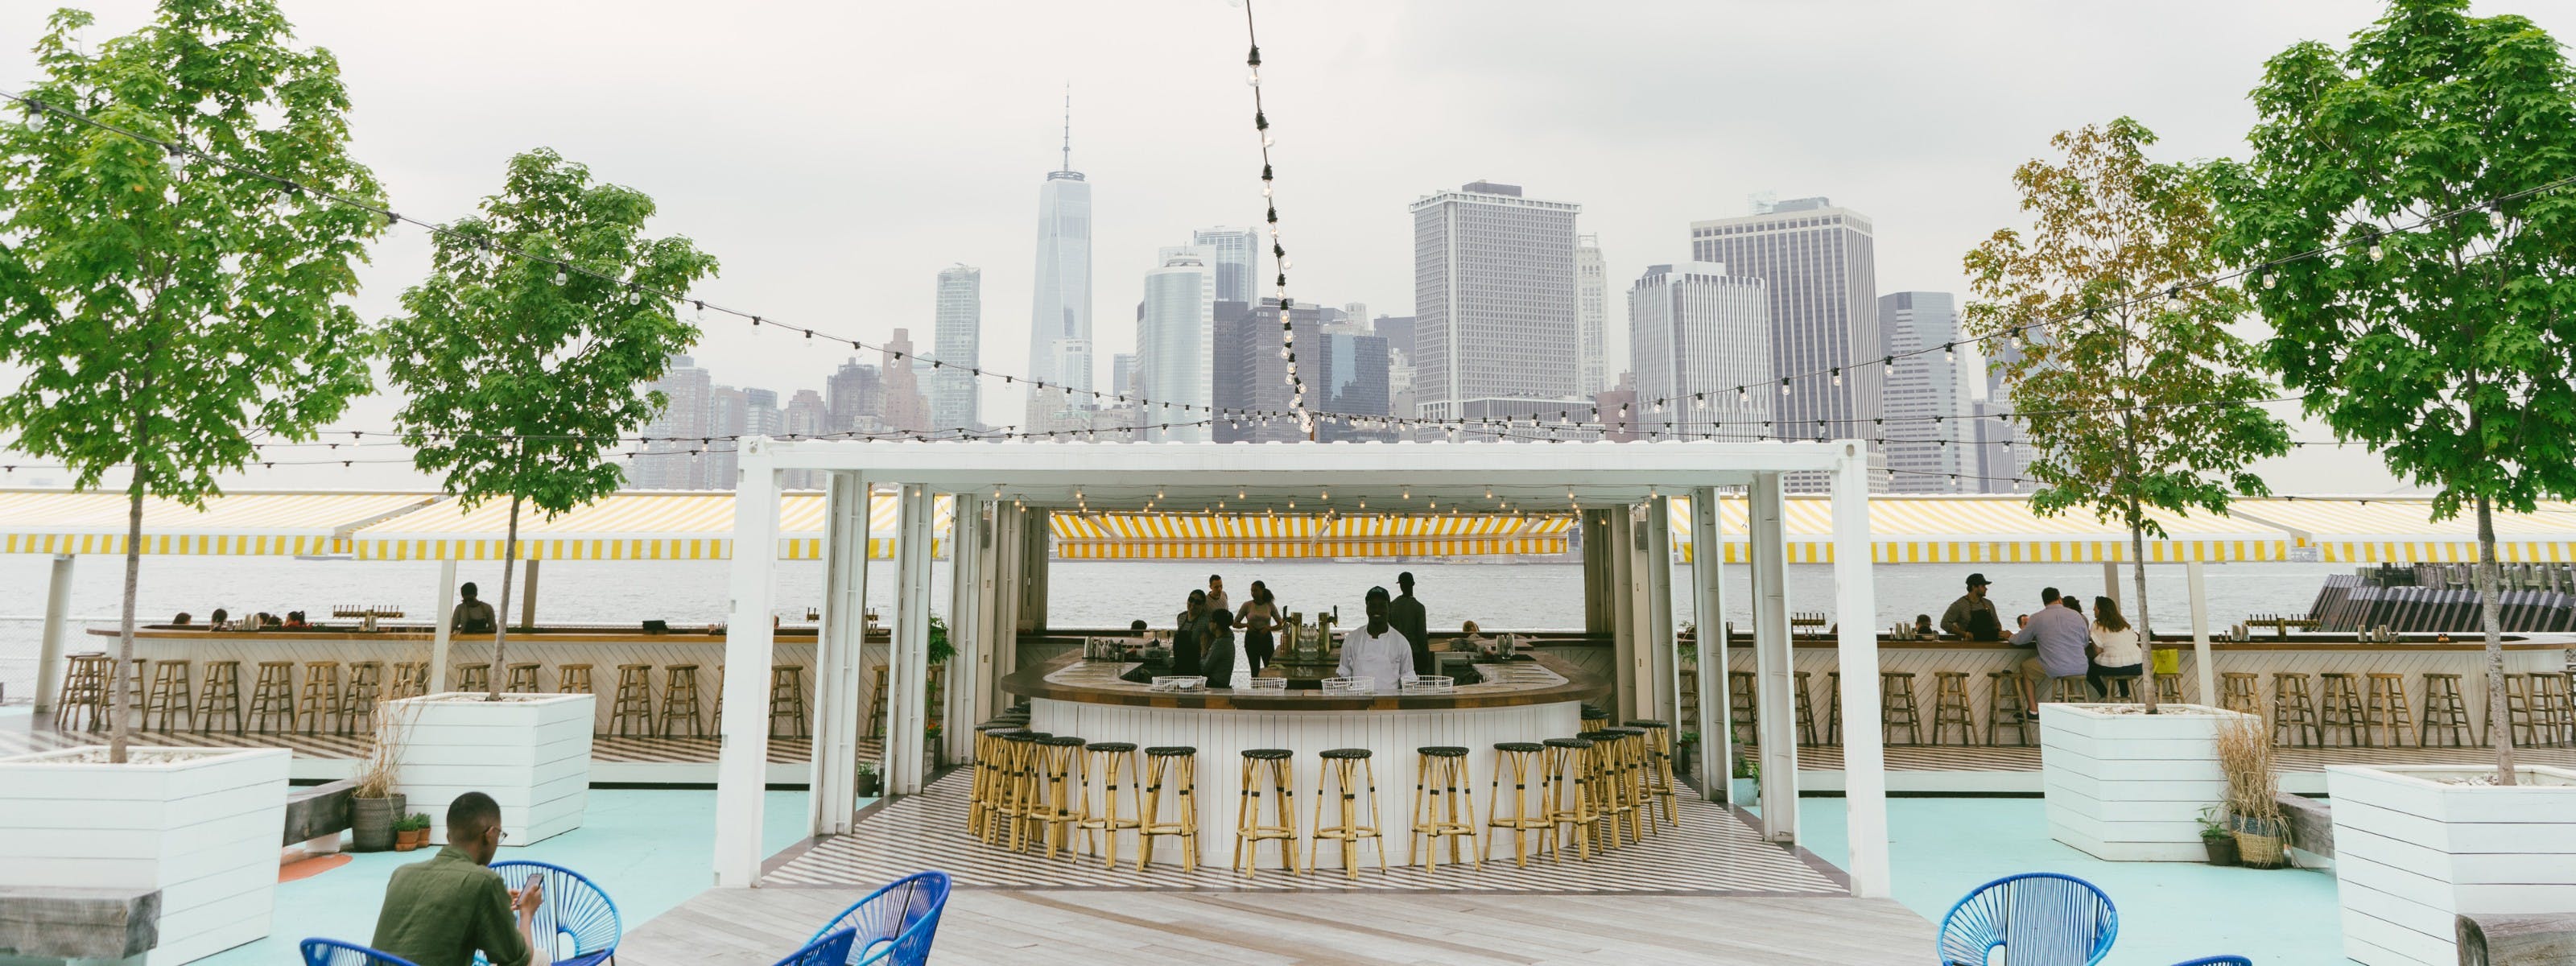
(871, 784)
(933, 757)
(2216, 837)
(376, 805)
(411, 832)
(1686, 754)
(2254, 811)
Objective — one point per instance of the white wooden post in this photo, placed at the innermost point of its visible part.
(446, 626)
(528, 596)
(1034, 532)
(1773, 663)
(2202, 666)
(1666, 649)
(742, 762)
(837, 664)
(2111, 584)
(1708, 607)
(908, 652)
(1856, 611)
(1002, 603)
(49, 655)
(963, 699)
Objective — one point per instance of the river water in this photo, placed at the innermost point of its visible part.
(1534, 596)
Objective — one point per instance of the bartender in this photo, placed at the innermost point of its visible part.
(1375, 650)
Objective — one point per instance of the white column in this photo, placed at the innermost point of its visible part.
(1626, 653)
(445, 628)
(837, 665)
(528, 596)
(1774, 663)
(2110, 585)
(1002, 606)
(1034, 532)
(1856, 611)
(2202, 667)
(49, 655)
(1666, 693)
(965, 633)
(742, 762)
(1708, 607)
(908, 653)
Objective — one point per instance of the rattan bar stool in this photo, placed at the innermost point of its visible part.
(358, 703)
(1268, 773)
(2070, 689)
(2294, 710)
(1950, 707)
(1444, 807)
(1110, 765)
(1015, 789)
(1175, 767)
(2239, 691)
(787, 699)
(680, 702)
(1742, 710)
(523, 678)
(169, 696)
(2339, 710)
(472, 677)
(981, 790)
(272, 698)
(572, 679)
(135, 695)
(220, 695)
(1057, 808)
(2005, 710)
(1565, 796)
(632, 711)
(1522, 815)
(323, 696)
(1633, 761)
(1613, 804)
(1348, 773)
(1806, 711)
(2169, 689)
(1594, 716)
(2446, 714)
(1896, 708)
(2385, 708)
(1655, 771)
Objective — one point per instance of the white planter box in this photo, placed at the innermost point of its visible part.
(2412, 852)
(201, 825)
(530, 752)
(2129, 787)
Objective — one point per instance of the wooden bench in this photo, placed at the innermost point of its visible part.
(2311, 822)
(2501, 940)
(319, 812)
(62, 924)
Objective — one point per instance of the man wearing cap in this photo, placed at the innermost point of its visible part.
(1406, 614)
(1955, 620)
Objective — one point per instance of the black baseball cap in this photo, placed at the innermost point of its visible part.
(1978, 580)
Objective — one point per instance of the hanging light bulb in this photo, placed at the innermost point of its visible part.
(1743, 395)
(1949, 352)
(1784, 385)
(2375, 252)
(2269, 280)
(1838, 375)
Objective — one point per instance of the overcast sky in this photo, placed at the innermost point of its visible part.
(836, 156)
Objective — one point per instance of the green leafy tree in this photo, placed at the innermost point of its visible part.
(167, 310)
(522, 370)
(2138, 397)
(2441, 327)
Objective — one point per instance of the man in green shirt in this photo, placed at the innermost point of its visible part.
(441, 912)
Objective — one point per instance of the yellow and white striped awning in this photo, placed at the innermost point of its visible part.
(1162, 536)
(1983, 529)
(2402, 530)
(243, 524)
(634, 525)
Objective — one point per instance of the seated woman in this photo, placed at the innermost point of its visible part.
(2114, 652)
(1923, 628)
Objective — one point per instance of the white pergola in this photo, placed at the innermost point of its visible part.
(1005, 491)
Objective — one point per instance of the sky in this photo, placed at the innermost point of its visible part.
(836, 156)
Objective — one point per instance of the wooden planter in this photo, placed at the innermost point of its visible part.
(201, 825)
(2129, 787)
(2411, 853)
(530, 752)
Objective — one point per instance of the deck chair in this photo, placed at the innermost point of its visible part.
(2034, 917)
(895, 924)
(577, 919)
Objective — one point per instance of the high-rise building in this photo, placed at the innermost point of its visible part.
(1494, 296)
(1122, 372)
(957, 331)
(1592, 316)
(1930, 445)
(2003, 452)
(1398, 330)
(1695, 336)
(1235, 256)
(1819, 262)
(670, 459)
(906, 410)
(760, 413)
(1060, 316)
(1251, 391)
(1617, 405)
(1346, 379)
(1175, 337)
(855, 397)
(807, 417)
(728, 418)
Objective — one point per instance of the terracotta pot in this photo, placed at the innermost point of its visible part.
(404, 842)
(2222, 849)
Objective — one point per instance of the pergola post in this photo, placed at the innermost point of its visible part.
(1856, 616)
(1594, 527)
(838, 664)
(49, 655)
(2111, 582)
(1708, 606)
(964, 697)
(1002, 602)
(2202, 667)
(908, 654)
(743, 760)
(1773, 663)
(1032, 613)
(1627, 653)
(528, 593)
(445, 628)
(1658, 585)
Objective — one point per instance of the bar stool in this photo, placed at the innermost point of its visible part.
(1594, 716)
(2385, 708)
(322, 696)
(680, 702)
(1740, 708)
(472, 677)
(1896, 707)
(1833, 707)
(366, 688)
(1635, 757)
(1612, 797)
(1517, 816)
(273, 696)
(169, 695)
(1565, 796)
(220, 695)
(2339, 709)
(2070, 689)
(572, 679)
(1267, 773)
(2003, 697)
(2237, 691)
(1444, 807)
(1056, 809)
(877, 703)
(1176, 766)
(719, 716)
(1950, 707)
(1344, 770)
(2553, 710)
(787, 699)
(2294, 709)
(84, 701)
(411, 680)
(980, 797)
(135, 696)
(2446, 713)
(1655, 770)
(633, 708)
(1015, 789)
(523, 678)
(2169, 688)
(2518, 718)
(1103, 762)
(1806, 712)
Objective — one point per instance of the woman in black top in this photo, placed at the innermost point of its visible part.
(1259, 615)
(1186, 643)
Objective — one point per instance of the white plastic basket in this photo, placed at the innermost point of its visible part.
(1347, 685)
(1181, 682)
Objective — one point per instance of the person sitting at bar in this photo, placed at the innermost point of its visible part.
(443, 911)
(1375, 650)
(272, 620)
(1136, 627)
(1955, 620)
(2060, 636)
(472, 615)
(220, 620)
(2114, 652)
(1923, 628)
(181, 620)
(295, 620)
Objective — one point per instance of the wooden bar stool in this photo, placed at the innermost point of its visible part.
(2339, 709)
(2238, 691)
(220, 695)
(2446, 714)
(2517, 710)
(1655, 771)
(273, 696)
(787, 699)
(1896, 708)
(632, 711)
(1806, 712)
(989, 758)
(1565, 796)
(411, 680)
(2003, 698)
(136, 697)
(2385, 708)
(1346, 771)
(2071, 689)
(1267, 773)
(472, 677)
(523, 678)
(169, 696)
(1740, 708)
(1175, 766)
(2553, 710)
(1950, 707)
(2295, 710)
(1833, 707)
(1057, 807)
(82, 704)
(2169, 688)
(1518, 816)
(680, 702)
(1444, 807)
(1112, 766)
(1015, 790)
(1612, 802)
(572, 679)
(358, 704)
(877, 703)
(322, 696)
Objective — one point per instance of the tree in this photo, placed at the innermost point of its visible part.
(2136, 394)
(526, 351)
(2439, 325)
(165, 307)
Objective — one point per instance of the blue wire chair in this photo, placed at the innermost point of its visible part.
(895, 924)
(830, 950)
(2219, 961)
(576, 913)
(2037, 917)
(332, 952)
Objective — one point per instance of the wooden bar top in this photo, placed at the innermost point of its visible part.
(2413, 644)
(1542, 680)
(401, 635)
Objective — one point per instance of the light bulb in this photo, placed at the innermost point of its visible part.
(2269, 280)
(1948, 352)
(1784, 387)
(177, 159)
(1253, 80)
(1286, 264)
(1268, 141)
(560, 276)
(1743, 395)
(1838, 377)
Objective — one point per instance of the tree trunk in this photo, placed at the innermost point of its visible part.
(117, 736)
(2138, 622)
(501, 610)
(2499, 718)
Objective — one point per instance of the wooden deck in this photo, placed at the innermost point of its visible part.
(754, 927)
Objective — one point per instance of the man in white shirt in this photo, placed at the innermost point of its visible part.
(1375, 650)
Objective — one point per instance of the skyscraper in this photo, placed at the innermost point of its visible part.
(905, 408)
(1175, 334)
(1251, 378)
(676, 431)
(760, 413)
(728, 418)
(1820, 264)
(855, 397)
(1925, 398)
(1494, 298)
(1122, 373)
(1592, 315)
(1235, 254)
(955, 393)
(807, 417)
(1060, 316)
(1695, 334)
(2003, 453)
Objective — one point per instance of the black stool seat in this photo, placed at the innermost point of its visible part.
(1595, 711)
(1269, 754)
(1650, 725)
(1599, 736)
(1442, 751)
(1518, 746)
(1112, 746)
(1345, 753)
(1171, 751)
(1000, 725)
(1060, 741)
(1625, 731)
(1024, 735)
(1566, 743)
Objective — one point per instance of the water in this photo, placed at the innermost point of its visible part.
(1533, 596)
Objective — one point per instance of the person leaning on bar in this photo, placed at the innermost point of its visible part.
(1955, 620)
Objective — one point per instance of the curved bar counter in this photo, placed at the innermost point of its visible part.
(1527, 701)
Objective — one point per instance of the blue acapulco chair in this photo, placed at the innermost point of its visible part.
(332, 952)
(2219, 961)
(895, 924)
(2037, 917)
(577, 921)
(830, 950)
